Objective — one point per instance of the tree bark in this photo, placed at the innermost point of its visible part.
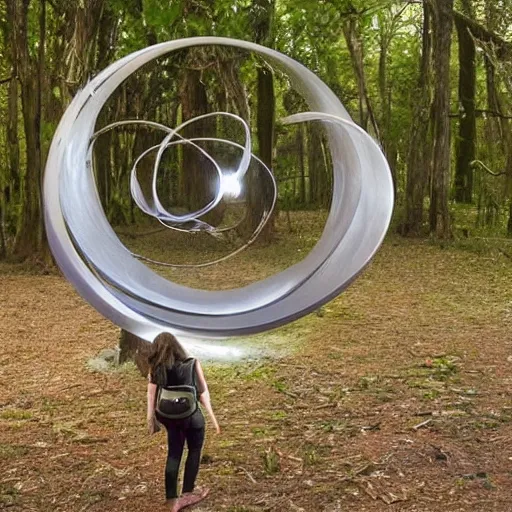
(353, 38)
(420, 148)
(500, 128)
(502, 46)
(388, 143)
(133, 348)
(197, 173)
(265, 134)
(11, 191)
(302, 167)
(440, 223)
(264, 11)
(27, 243)
(315, 164)
(466, 142)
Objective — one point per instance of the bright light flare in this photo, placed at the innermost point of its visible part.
(230, 185)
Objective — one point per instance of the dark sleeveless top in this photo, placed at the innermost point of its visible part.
(183, 373)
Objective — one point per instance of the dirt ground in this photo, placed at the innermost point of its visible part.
(394, 397)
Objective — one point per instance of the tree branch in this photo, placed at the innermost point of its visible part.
(503, 46)
(475, 164)
(485, 112)
(5, 80)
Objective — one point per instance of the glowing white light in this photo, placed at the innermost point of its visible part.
(230, 185)
(206, 349)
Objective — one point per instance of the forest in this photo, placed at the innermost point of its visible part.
(394, 395)
(429, 80)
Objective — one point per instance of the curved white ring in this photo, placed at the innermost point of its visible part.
(140, 301)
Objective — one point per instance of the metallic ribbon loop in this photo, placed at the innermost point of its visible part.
(137, 299)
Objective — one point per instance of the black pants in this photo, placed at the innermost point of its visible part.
(179, 431)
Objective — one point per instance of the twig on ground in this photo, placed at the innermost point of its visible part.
(366, 469)
(70, 387)
(301, 366)
(291, 457)
(422, 424)
(251, 478)
(289, 393)
(325, 406)
(375, 426)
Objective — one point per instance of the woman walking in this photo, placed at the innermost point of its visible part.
(170, 369)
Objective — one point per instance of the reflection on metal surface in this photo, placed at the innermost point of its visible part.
(137, 299)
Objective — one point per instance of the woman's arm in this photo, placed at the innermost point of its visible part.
(151, 398)
(204, 397)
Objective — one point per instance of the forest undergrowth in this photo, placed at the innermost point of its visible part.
(393, 397)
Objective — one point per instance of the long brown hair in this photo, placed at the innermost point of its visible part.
(166, 351)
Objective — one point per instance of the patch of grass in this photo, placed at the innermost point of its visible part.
(444, 367)
(260, 373)
(366, 382)
(129, 368)
(433, 376)
(13, 451)
(385, 395)
(260, 431)
(69, 429)
(280, 385)
(9, 496)
(486, 424)
(340, 309)
(271, 462)
(278, 415)
(432, 394)
(331, 426)
(337, 394)
(225, 470)
(310, 456)
(15, 414)
(49, 405)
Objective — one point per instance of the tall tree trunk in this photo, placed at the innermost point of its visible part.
(419, 158)
(28, 239)
(82, 46)
(465, 150)
(302, 167)
(353, 38)
(315, 163)
(11, 192)
(388, 143)
(439, 212)
(199, 179)
(265, 122)
(500, 129)
(265, 114)
(46, 254)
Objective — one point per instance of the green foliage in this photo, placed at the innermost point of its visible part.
(388, 33)
(271, 462)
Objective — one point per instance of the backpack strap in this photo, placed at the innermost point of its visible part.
(192, 374)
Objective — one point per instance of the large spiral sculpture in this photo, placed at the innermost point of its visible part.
(122, 288)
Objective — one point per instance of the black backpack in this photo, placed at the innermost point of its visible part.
(179, 401)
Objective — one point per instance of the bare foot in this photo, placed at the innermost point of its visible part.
(172, 505)
(190, 498)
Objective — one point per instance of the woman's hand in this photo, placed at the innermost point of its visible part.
(153, 425)
(217, 428)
